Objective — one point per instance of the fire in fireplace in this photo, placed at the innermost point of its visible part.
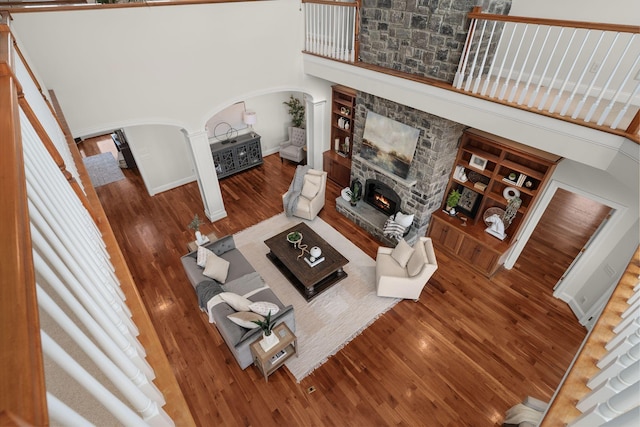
(382, 197)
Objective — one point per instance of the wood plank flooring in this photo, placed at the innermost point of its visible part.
(461, 356)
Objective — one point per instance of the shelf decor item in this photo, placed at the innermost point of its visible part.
(478, 162)
(452, 201)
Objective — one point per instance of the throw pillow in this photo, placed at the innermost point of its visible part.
(264, 307)
(402, 252)
(203, 254)
(393, 229)
(404, 220)
(237, 302)
(309, 189)
(246, 319)
(217, 268)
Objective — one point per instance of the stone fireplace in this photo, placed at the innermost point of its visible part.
(422, 191)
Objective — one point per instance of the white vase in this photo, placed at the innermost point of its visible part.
(268, 341)
(199, 237)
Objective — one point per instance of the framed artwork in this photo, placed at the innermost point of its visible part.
(389, 144)
(477, 162)
(469, 202)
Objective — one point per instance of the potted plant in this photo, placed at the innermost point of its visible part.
(195, 224)
(353, 198)
(296, 111)
(295, 237)
(269, 339)
(452, 201)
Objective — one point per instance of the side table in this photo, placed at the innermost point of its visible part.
(192, 245)
(269, 362)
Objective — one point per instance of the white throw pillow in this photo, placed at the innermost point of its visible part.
(217, 268)
(264, 307)
(203, 254)
(246, 319)
(309, 189)
(404, 219)
(237, 302)
(402, 252)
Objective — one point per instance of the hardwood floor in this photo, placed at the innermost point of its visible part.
(461, 356)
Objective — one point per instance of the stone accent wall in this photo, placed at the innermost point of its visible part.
(421, 37)
(432, 163)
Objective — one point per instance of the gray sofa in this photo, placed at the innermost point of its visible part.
(242, 279)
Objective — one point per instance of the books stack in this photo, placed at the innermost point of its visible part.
(519, 182)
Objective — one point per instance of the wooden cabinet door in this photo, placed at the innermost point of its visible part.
(445, 235)
(478, 255)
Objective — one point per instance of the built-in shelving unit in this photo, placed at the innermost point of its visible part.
(488, 171)
(337, 160)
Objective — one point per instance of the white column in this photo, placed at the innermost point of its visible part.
(317, 141)
(206, 176)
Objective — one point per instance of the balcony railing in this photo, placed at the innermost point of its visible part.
(64, 282)
(585, 73)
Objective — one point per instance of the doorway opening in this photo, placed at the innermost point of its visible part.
(562, 234)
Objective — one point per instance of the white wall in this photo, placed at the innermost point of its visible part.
(175, 65)
(162, 156)
(613, 12)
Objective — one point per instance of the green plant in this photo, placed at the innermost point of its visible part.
(266, 325)
(454, 197)
(353, 197)
(195, 223)
(296, 111)
(294, 236)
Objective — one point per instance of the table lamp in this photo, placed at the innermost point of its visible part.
(250, 118)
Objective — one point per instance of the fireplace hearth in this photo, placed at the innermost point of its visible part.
(382, 197)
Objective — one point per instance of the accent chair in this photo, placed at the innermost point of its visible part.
(403, 271)
(294, 148)
(312, 196)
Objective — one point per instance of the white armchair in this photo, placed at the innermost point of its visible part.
(312, 196)
(293, 148)
(402, 272)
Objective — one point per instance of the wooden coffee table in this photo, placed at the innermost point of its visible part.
(309, 281)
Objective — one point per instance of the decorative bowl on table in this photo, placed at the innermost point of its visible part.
(295, 237)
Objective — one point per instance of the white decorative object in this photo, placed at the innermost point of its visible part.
(200, 239)
(336, 144)
(268, 341)
(459, 174)
(478, 162)
(315, 253)
(510, 192)
(496, 228)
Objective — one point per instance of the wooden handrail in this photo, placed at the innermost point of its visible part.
(477, 14)
(334, 2)
(563, 408)
(22, 386)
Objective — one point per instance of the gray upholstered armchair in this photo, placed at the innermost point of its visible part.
(403, 271)
(293, 148)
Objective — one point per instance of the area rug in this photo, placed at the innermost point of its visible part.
(102, 169)
(332, 319)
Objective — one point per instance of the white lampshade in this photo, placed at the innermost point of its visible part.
(249, 117)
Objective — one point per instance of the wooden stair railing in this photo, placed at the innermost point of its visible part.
(22, 385)
(563, 408)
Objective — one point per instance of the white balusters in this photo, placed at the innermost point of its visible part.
(565, 77)
(81, 296)
(331, 30)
